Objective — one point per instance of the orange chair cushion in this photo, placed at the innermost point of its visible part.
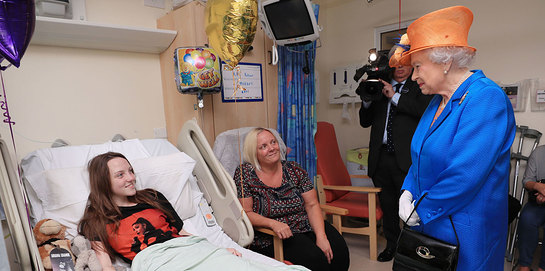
(356, 203)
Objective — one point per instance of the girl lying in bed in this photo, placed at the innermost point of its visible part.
(143, 228)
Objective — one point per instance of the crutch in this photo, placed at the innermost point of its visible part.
(525, 132)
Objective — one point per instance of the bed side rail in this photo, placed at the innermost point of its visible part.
(216, 185)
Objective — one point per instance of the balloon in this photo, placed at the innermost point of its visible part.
(188, 58)
(17, 20)
(200, 62)
(197, 76)
(230, 27)
(209, 63)
(195, 54)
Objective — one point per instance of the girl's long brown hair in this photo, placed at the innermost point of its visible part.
(101, 209)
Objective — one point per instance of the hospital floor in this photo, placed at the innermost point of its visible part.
(359, 254)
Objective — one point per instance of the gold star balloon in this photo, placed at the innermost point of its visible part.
(230, 27)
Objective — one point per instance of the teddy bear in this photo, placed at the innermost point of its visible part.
(50, 234)
(86, 258)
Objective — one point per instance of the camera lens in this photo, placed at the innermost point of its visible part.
(370, 90)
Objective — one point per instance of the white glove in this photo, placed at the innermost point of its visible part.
(406, 206)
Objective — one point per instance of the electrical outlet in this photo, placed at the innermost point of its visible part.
(160, 132)
(155, 3)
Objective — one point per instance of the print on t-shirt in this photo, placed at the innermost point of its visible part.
(140, 230)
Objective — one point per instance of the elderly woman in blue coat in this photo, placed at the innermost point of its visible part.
(460, 150)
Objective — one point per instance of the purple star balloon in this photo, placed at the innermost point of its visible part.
(17, 21)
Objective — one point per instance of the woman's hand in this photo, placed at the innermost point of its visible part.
(324, 245)
(234, 252)
(406, 206)
(281, 229)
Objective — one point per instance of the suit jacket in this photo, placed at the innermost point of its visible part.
(462, 163)
(410, 107)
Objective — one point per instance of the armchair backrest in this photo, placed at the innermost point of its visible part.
(229, 144)
(329, 163)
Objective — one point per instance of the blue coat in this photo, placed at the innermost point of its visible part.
(462, 162)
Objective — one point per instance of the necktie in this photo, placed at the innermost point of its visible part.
(389, 139)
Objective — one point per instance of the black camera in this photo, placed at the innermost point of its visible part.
(370, 89)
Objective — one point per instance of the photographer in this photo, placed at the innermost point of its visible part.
(532, 216)
(393, 116)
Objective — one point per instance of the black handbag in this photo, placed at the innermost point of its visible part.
(418, 251)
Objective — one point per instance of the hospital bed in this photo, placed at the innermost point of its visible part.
(55, 182)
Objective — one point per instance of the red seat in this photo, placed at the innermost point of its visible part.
(335, 187)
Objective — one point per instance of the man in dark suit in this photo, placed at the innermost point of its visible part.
(393, 117)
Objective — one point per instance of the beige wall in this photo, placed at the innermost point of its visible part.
(86, 96)
(508, 36)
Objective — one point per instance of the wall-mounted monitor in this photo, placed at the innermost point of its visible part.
(289, 22)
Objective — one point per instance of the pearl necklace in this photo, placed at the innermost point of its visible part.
(464, 77)
(444, 102)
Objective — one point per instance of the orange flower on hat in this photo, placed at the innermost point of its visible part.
(403, 46)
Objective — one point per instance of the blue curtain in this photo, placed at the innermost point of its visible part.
(297, 103)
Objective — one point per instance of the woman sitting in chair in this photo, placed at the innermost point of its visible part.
(278, 195)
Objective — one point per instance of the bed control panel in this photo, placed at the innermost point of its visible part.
(207, 213)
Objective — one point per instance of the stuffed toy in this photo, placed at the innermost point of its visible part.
(86, 258)
(50, 234)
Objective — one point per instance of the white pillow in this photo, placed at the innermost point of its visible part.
(62, 194)
(58, 188)
(168, 174)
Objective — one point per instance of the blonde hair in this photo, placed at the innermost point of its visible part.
(250, 146)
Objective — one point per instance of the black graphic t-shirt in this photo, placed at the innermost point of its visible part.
(142, 226)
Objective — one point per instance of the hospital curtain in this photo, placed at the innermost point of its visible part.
(297, 103)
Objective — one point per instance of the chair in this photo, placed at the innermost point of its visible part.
(226, 148)
(335, 189)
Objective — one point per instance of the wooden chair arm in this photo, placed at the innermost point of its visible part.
(360, 176)
(333, 210)
(265, 230)
(277, 243)
(353, 188)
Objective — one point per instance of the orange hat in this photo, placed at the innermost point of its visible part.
(444, 27)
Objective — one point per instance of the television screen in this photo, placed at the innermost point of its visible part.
(289, 19)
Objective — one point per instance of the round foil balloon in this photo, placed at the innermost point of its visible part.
(17, 21)
(230, 27)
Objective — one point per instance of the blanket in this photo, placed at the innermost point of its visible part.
(196, 253)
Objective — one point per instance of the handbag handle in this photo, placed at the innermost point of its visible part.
(450, 217)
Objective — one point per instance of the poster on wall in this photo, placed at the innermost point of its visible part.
(251, 84)
(512, 94)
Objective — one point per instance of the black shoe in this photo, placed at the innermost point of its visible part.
(386, 255)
